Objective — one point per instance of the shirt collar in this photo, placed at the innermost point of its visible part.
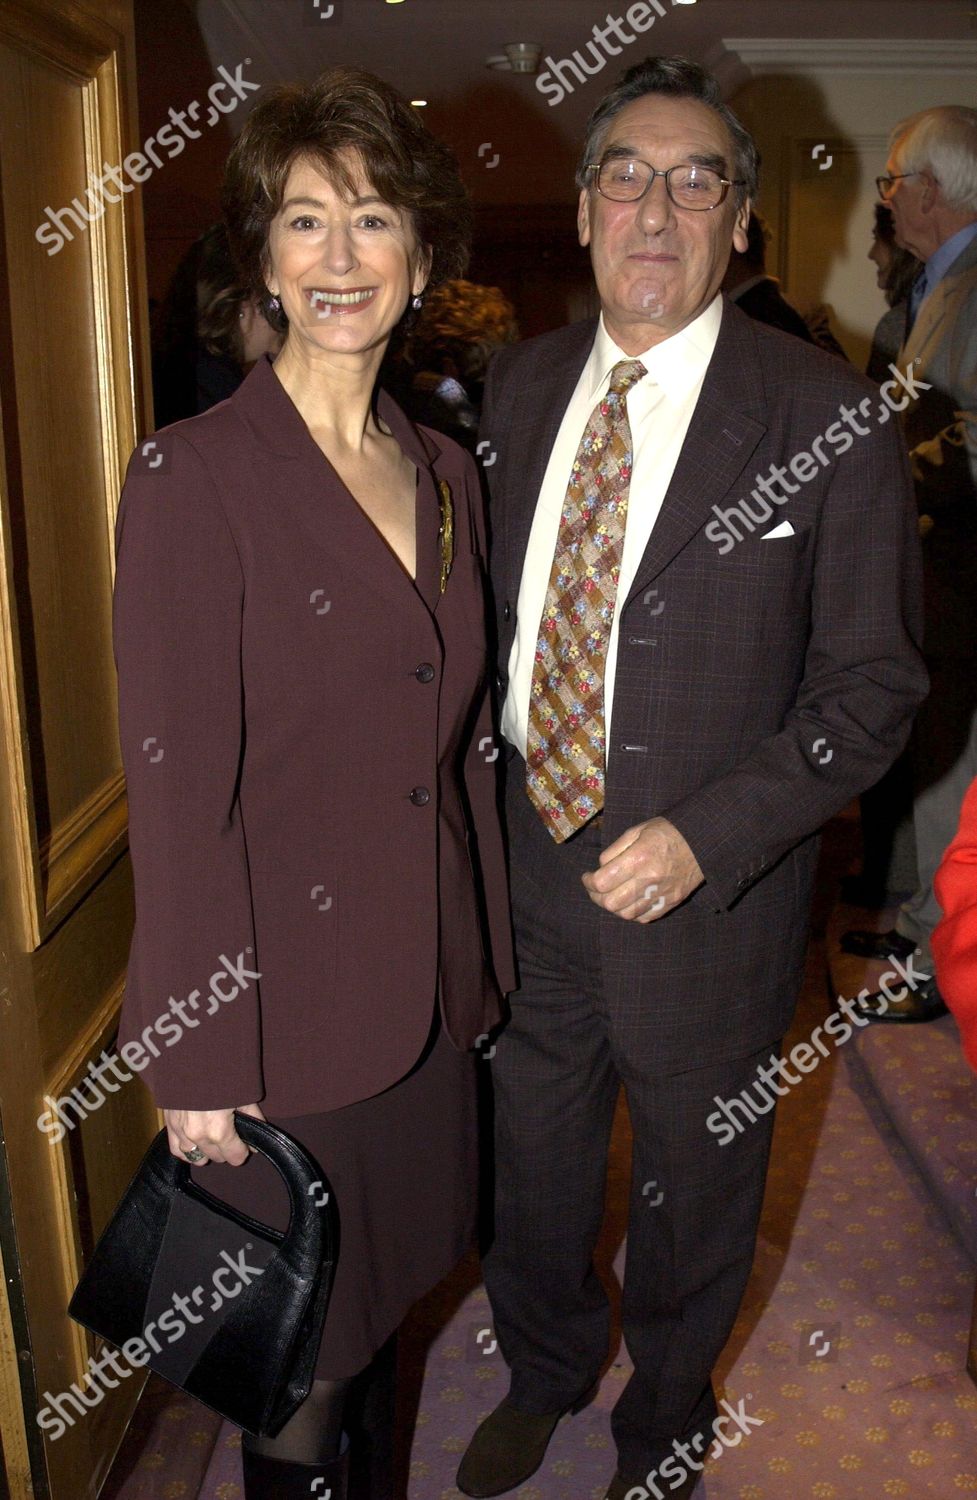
(677, 364)
(941, 260)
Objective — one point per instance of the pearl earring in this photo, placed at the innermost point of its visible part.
(274, 304)
(417, 303)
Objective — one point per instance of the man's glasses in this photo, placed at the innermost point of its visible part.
(886, 184)
(625, 179)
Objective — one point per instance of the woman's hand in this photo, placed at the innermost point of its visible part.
(211, 1131)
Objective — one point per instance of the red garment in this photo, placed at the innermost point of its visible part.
(955, 938)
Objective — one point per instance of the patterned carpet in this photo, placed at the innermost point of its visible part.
(850, 1346)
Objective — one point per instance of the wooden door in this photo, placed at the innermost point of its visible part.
(74, 396)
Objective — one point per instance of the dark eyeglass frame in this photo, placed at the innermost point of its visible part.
(683, 166)
(884, 191)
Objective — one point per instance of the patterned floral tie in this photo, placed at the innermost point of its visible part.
(566, 752)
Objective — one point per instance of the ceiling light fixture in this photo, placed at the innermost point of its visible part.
(517, 57)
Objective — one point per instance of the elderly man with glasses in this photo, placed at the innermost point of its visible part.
(707, 580)
(930, 185)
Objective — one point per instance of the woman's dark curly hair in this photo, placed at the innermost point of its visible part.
(345, 109)
(900, 273)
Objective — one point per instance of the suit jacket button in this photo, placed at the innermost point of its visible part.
(420, 796)
(507, 611)
(425, 672)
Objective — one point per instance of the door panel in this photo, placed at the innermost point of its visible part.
(73, 397)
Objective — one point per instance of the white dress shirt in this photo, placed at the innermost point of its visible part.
(660, 407)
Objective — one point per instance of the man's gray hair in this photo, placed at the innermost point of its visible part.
(943, 142)
(679, 78)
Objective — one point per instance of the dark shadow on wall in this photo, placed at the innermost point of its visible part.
(812, 175)
(173, 71)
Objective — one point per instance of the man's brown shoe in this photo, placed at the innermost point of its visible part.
(508, 1447)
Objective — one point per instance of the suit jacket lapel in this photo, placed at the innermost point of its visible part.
(424, 450)
(927, 331)
(533, 428)
(927, 327)
(311, 490)
(724, 432)
(726, 428)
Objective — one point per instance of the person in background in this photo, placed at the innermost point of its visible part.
(748, 283)
(300, 630)
(954, 940)
(888, 846)
(210, 332)
(818, 320)
(895, 271)
(442, 373)
(930, 187)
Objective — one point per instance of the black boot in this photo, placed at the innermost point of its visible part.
(281, 1479)
(369, 1419)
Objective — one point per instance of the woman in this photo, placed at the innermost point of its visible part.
(306, 728)
(442, 376)
(895, 272)
(210, 331)
(888, 847)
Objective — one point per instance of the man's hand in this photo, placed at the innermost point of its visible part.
(646, 872)
(212, 1130)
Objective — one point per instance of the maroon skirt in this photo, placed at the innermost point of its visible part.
(403, 1167)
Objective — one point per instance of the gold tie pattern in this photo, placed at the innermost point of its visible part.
(566, 750)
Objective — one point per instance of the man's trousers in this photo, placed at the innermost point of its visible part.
(694, 1203)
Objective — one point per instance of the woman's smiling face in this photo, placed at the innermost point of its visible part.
(344, 267)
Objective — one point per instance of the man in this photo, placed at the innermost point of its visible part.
(930, 184)
(748, 285)
(750, 665)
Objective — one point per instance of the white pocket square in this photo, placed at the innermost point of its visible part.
(784, 529)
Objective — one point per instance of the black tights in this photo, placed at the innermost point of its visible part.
(363, 1406)
(313, 1435)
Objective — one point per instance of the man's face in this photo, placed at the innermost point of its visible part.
(907, 198)
(658, 266)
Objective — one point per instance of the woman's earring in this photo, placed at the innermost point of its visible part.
(417, 303)
(274, 304)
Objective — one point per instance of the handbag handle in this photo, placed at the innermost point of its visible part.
(312, 1220)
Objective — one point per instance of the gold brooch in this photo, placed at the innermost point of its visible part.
(447, 532)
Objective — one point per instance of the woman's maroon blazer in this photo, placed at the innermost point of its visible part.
(310, 757)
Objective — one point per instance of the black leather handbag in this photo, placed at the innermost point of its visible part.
(243, 1338)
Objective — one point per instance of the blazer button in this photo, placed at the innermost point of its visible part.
(425, 672)
(507, 611)
(420, 796)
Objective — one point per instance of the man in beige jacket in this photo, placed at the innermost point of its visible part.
(931, 187)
